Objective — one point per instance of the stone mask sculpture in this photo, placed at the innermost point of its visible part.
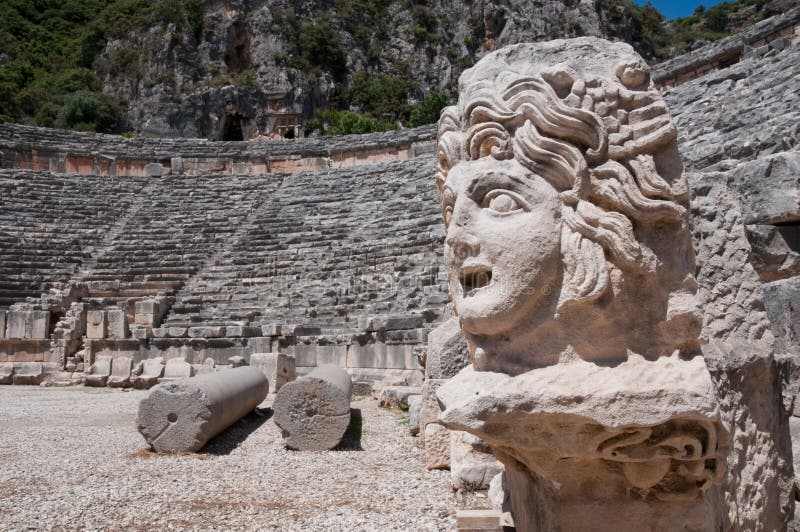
(571, 270)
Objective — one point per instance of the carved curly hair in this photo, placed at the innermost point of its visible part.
(592, 140)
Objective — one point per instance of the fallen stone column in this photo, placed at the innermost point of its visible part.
(314, 411)
(182, 415)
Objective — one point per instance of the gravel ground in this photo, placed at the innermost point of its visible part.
(72, 458)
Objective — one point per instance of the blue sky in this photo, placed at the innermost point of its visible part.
(678, 8)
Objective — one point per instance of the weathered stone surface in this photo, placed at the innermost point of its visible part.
(499, 498)
(206, 332)
(760, 459)
(782, 302)
(155, 170)
(38, 324)
(99, 372)
(414, 410)
(117, 324)
(775, 252)
(770, 189)
(447, 351)
(96, 324)
(437, 446)
(314, 411)
(390, 323)
(16, 321)
(177, 368)
(147, 373)
(7, 373)
(472, 465)
(181, 416)
(479, 520)
(31, 373)
(728, 284)
(120, 372)
(397, 396)
(564, 201)
(279, 368)
(740, 113)
(430, 410)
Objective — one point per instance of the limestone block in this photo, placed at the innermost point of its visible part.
(7, 373)
(16, 320)
(301, 330)
(209, 365)
(414, 409)
(181, 416)
(237, 361)
(397, 396)
(390, 323)
(782, 302)
(206, 332)
(279, 368)
(472, 465)
(162, 332)
(120, 372)
(314, 411)
(447, 351)
(2, 323)
(479, 520)
(770, 189)
(148, 312)
(140, 333)
(31, 373)
(176, 165)
(147, 373)
(155, 170)
(500, 499)
(381, 355)
(271, 329)
(177, 332)
(116, 324)
(95, 324)
(99, 372)
(669, 397)
(430, 410)
(177, 368)
(38, 325)
(437, 446)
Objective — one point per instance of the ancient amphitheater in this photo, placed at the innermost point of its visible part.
(331, 250)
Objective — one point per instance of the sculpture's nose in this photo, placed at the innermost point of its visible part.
(462, 243)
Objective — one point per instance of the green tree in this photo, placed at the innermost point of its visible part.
(428, 110)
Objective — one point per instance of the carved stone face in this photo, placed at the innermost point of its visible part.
(502, 248)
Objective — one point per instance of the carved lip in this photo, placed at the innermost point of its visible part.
(474, 277)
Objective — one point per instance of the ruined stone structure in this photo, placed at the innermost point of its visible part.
(772, 34)
(571, 271)
(181, 416)
(219, 250)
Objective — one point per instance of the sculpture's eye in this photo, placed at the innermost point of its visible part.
(503, 202)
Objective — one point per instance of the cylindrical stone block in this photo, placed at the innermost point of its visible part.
(314, 411)
(182, 415)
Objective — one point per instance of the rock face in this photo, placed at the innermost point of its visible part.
(564, 200)
(232, 71)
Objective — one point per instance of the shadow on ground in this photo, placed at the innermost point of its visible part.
(351, 441)
(237, 433)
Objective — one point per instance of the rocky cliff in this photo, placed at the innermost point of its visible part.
(241, 68)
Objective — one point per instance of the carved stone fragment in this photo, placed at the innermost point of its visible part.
(571, 270)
